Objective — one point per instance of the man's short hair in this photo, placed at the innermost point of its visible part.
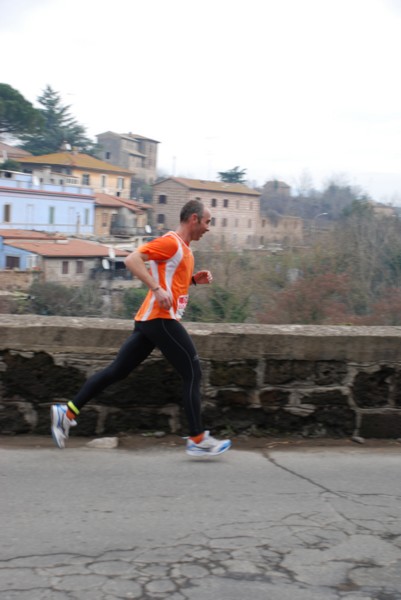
(192, 207)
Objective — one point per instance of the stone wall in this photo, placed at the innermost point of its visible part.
(263, 380)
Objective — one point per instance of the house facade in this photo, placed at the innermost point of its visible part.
(235, 210)
(121, 218)
(86, 170)
(61, 260)
(132, 152)
(283, 229)
(25, 203)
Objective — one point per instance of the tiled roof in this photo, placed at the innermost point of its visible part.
(13, 151)
(214, 186)
(28, 234)
(74, 159)
(114, 201)
(130, 135)
(68, 249)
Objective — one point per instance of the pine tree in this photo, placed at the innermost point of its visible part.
(59, 127)
(17, 115)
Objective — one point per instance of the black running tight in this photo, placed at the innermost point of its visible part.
(174, 342)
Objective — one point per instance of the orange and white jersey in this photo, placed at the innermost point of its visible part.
(171, 263)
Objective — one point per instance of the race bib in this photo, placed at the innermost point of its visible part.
(181, 306)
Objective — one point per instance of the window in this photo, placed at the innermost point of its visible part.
(161, 219)
(79, 267)
(103, 181)
(162, 199)
(225, 203)
(108, 155)
(12, 262)
(105, 219)
(86, 219)
(7, 213)
(213, 222)
(85, 179)
(120, 183)
(29, 213)
(52, 214)
(214, 202)
(224, 222)
(64, 267)
(263, 222)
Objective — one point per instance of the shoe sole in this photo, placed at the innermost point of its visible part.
(195, 454)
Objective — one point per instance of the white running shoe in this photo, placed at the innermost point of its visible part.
(60, 424)
(209, 446)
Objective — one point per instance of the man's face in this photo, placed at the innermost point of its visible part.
(202, 225)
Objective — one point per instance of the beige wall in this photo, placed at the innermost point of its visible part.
(53, 270)
(286, 229)
(103, 216)
(115, 184)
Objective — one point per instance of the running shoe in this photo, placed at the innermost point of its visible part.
(60, 424)
(209, 446)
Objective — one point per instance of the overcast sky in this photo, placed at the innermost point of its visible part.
(286, 89)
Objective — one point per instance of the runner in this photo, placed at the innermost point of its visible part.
(157, 325)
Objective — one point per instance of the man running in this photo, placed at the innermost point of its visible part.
(157, 325)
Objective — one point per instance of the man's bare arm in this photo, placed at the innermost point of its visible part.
(135, 263)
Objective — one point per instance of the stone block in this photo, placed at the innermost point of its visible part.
(136, 420)
(12, 419)
(325, 397)
(330, 372)
(330, 421)
(236, 418)
(234, 398)
(153, 382)
(274, 398)
(282, 372)
(36, 378)
(381, 425)
(372, 389)
(237, 374)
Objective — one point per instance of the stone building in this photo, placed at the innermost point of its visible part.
(118, 218)
(135, 153)
(235, 210)
(58, 259)
(277, 188)
(282, 229)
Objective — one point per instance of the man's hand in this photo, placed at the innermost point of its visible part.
(163, 298)
(203, 277)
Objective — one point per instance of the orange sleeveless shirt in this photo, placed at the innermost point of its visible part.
(171, 263)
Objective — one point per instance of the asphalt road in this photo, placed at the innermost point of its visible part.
(90, 524)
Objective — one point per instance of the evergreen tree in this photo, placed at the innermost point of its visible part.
(58, 127)
(17, 115)
(235, 175)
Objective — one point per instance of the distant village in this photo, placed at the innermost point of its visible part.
(67, 217)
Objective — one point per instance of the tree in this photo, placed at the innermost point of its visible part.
(17, 115)
(235, 175)
(10, 165)
(57, 127)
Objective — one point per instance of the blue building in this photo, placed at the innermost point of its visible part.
(25, 203)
